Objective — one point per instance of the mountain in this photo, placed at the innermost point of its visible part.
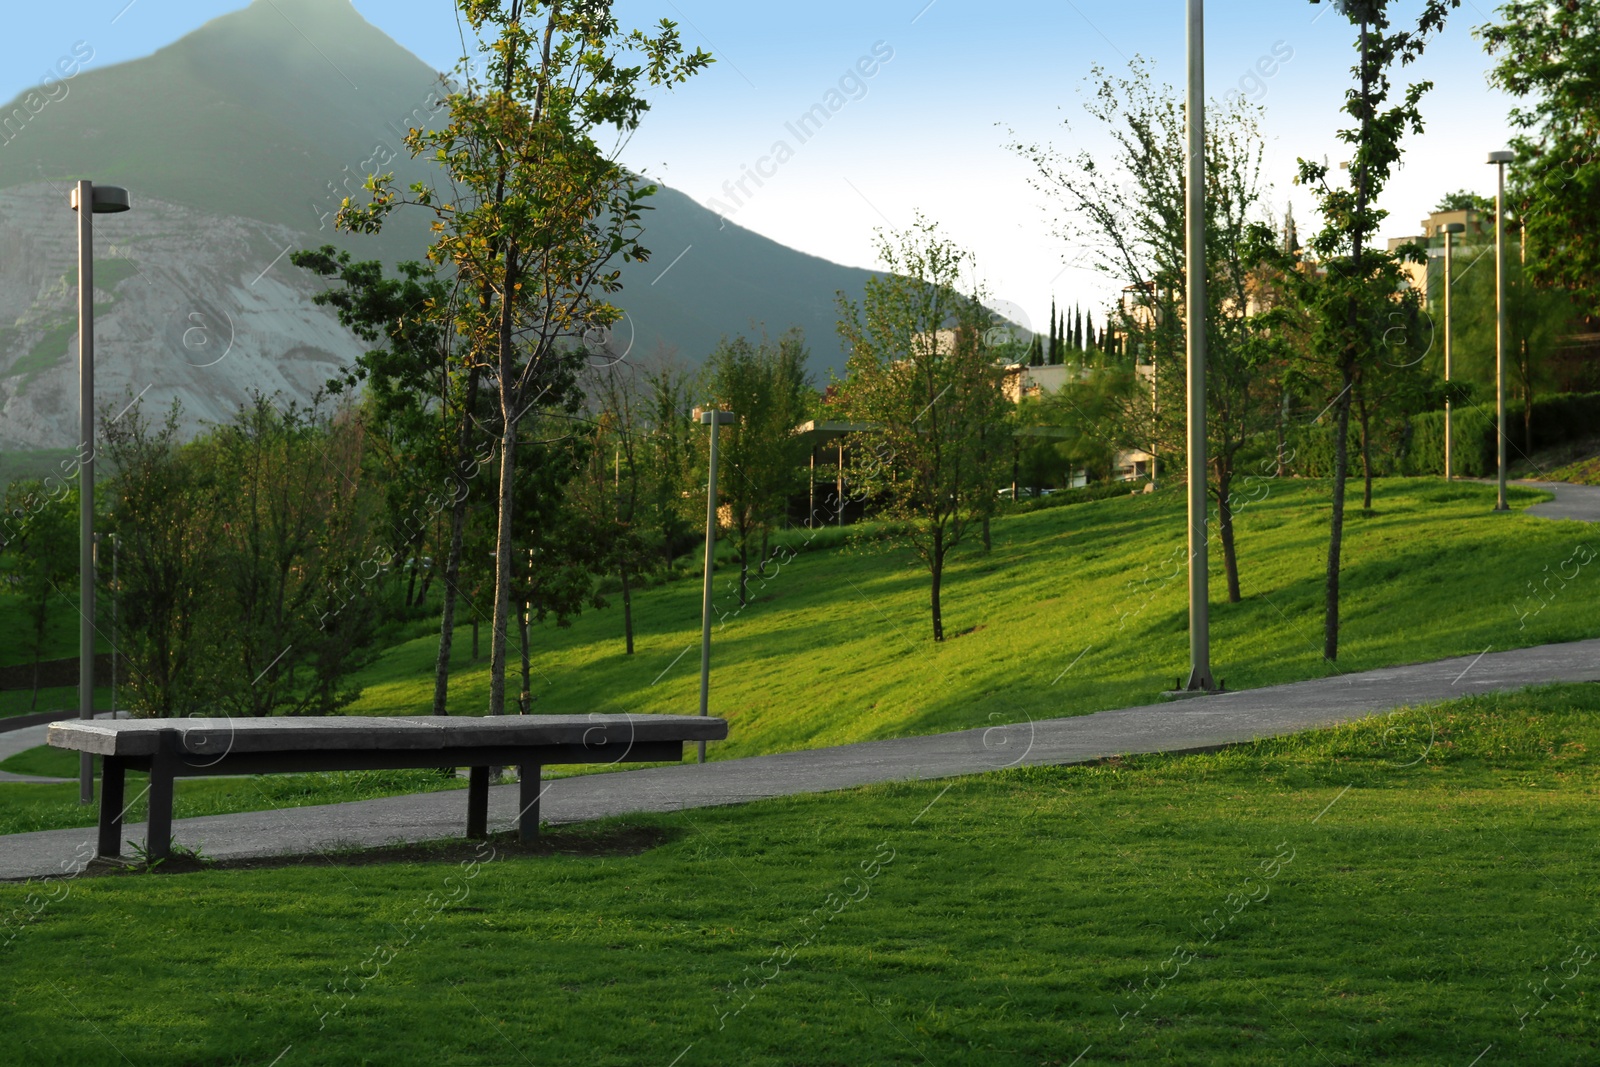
(238, 142)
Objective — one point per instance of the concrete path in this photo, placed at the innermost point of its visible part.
(16, 742)
(1580, 502)
(1185, 725)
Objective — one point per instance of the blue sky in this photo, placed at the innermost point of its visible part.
(926, 130)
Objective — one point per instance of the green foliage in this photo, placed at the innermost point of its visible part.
(39, 558)
(246, 563)
(1465, 200)
(1538, 320)
(1548, 57)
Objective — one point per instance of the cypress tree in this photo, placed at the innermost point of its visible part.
(1050, 352)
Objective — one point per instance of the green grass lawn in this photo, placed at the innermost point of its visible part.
(1583, 472)
(1413, 889)
(1077, 609)
(63, 699)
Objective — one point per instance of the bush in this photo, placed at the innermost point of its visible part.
(1063, 497)
(1416, 445)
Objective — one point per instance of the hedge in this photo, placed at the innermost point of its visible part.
(1416, 445)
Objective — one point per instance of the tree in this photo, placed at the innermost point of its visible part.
(1548, 56)
(294, 564)
(920, 376)
(1133, 213)
(538, 214)
(670, 457)
(423, 406)
(1465, 200)
(163, 514)
(40, 561)
(613, 492)
(1354, 292)
(1538, 318)
(765, 386)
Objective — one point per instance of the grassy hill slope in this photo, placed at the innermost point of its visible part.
(1077, 609)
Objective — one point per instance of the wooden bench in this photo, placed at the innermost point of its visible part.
(192, 748)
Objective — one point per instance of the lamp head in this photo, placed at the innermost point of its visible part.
(107, 200)
(712, 417)
(1453, 227)
(1501, 156)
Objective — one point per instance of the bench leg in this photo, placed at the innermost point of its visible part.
(158, 843)
(478, 802)
(112, 790)
(528, 815)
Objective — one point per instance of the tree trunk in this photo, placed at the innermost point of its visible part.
(1230, 558)
(525, 699)
(1283, 436)
(411, 586)
(506, 533)
(627, 610)
(744, 568)
(427, 584)
(1341, 471)
(938, 578)
(1527, 418)
(499, 630)
(987, 542)
(1366, 456)
(452, 565)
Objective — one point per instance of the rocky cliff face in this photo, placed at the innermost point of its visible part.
(191, 307)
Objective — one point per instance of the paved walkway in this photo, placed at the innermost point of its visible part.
(1184, 725)
(16, 742)
(1580, 502)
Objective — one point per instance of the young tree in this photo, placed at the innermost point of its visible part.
(669, 456)
(1134, 214)
(538, 214)
(1353, 294)
(422, 405)
(920, 375)
(163, 513)
(295, 609)
(765, 386)
(612, 492)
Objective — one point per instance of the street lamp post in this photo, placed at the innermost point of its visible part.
(1499, 160)
(1195, 321)
(101, 200)
(1448, 230)
(713, 419)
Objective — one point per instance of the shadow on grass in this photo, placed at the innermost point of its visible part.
(587, 840)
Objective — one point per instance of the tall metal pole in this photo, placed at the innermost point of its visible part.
(1448, 431)
(1500, 159)
(713, 419)
(1449, 231)
(83, 202)
(1195, 322)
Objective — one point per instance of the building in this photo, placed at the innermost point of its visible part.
(1427, 277)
